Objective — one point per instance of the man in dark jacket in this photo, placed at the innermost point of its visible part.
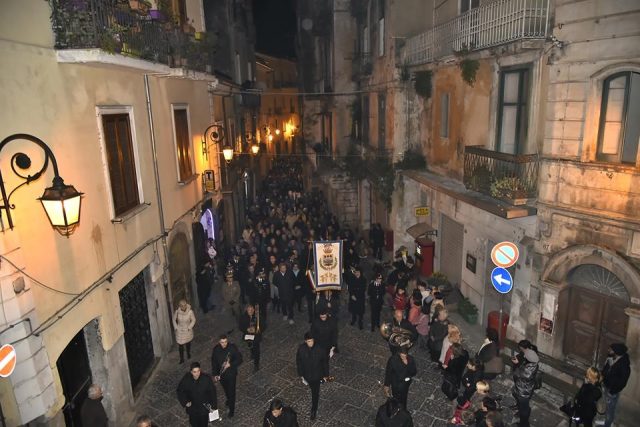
(524, 383)
(92, 412)
(615, 374)
(252, 327)
(280, 415)
(299, 284)
(376, 292)
(325, 331)
(225, 359)
(313, 367)
(392, 414)
(284, 281)
(397, 377)
(357, 285)
(197, 394)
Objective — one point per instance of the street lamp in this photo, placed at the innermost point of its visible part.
(61, 202)
(255, 148)
(215, 134)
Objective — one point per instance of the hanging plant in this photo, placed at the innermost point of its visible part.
(422, 83)
(468, 70)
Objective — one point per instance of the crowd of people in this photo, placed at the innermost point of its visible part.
(265, 276)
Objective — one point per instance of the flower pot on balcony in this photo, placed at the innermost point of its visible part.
(140, 7)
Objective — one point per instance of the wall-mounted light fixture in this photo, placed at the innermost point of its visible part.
(255, 148)
(61, 202)
(215, 134)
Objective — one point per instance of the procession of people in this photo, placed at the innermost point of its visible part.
(268, 273)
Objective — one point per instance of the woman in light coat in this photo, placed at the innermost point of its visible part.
(183, 323)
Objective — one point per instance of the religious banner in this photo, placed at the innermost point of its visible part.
(328, 265)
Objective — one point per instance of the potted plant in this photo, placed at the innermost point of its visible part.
(468, 311)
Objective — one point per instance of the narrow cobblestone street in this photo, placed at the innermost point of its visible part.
(352, 400)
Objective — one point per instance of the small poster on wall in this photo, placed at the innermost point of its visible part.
(548, 313)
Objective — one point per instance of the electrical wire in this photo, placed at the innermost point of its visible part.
(34, 280)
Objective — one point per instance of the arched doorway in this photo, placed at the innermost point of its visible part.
(180, 270)
(596, 317)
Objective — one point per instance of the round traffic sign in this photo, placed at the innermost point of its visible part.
(505, 254)
(7, 360)
(501, 280)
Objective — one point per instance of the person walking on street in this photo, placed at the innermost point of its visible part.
(615, 374)
(145, 421)
(183, 322)
(279, 415)
(225, 359)
(524, 384)
(357, 288)
(587, 397)
(392, 414)
(400, 370)
(313, 366)
(262, 292)
(376, 292)
(399, 321)
(197, 394)
(284, 281)
(92, 412)
(299, 285)
(231, 294)
(252, 327)
(325, 332)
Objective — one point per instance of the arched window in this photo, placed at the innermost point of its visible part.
(620, 118)
(599, 279)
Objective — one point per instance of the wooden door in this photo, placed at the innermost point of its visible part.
(595, 321)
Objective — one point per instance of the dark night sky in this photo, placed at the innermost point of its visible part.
(275, 22)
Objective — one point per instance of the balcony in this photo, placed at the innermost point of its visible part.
(129, 29)
(492, 24)
(510, 178)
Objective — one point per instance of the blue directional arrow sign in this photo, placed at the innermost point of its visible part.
(501, 280)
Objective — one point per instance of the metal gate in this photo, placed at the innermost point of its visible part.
(137, 332)
(75, 377)
(451, 250)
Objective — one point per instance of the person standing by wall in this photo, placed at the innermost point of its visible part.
(92, 412)
(183, 322)
(586, 398)
(615, 375)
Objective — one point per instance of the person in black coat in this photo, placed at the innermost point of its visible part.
(489, 355)
(225, 359)
(262, 292)
(398, 375)
(310, 295)
(376, 293)
(280, 415)
(299, 285)
(437, 332)
(376, 236)
(524, 383)
(454, 370)
(313, 366)
(615, 375)
(586, 398)
(392, 414)
(283, 279)
(325, 332)
(196, 390)
(92, 412)
(357, 286)
(252, 327)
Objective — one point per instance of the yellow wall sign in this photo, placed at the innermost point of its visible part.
(422, 211)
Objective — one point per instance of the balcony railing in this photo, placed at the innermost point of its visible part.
(513, 178)
(114, 27)
(492, 24)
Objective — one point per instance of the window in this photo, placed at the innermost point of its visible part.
(121, 160)
(467, 5)
(365, 119)
(381, 37)
(365, 40)
(183, 144)
(382, 106)
(513, 111)
(444, 115)
(249, 71)
(238, 69)
(619, 124)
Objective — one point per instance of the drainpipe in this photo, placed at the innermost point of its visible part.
(156, 176)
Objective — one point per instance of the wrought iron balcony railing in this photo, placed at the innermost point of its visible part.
(118, 27)
(513, 178)
(492, 24)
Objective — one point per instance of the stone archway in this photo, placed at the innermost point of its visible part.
(180, 270)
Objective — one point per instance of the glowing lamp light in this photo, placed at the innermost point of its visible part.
(227, 153)
(270, 138)
(62, 204)
(277, 131)
(255, 148)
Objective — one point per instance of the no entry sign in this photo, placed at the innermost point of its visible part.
(7, 360)
(505, 254)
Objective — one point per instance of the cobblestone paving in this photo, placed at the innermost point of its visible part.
(352, 400)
